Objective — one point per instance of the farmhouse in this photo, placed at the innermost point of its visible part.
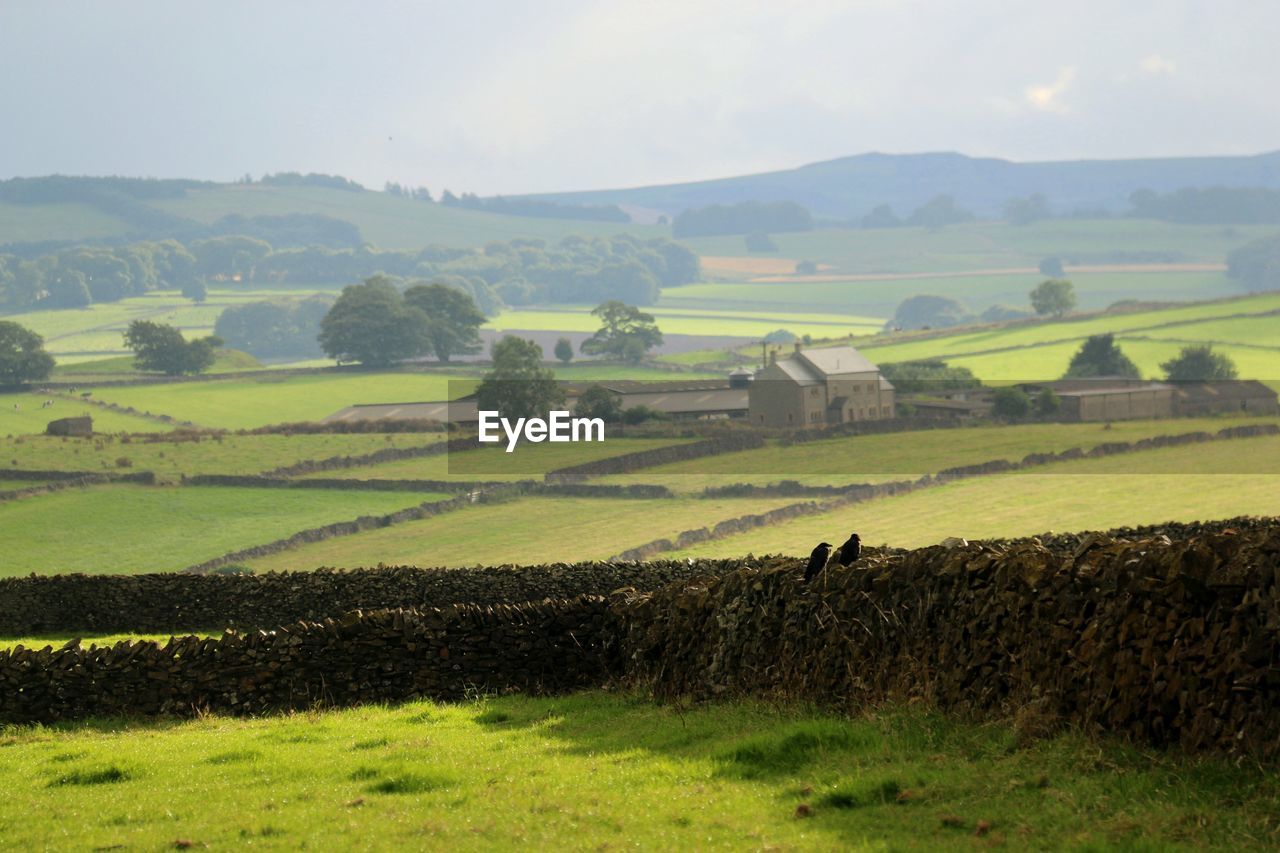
(809, 388)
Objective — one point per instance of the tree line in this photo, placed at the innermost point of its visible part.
(518, 272)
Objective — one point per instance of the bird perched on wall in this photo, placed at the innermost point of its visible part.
(817, 560)
(850, 550)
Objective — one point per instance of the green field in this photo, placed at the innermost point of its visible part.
(898, 456)
(122, 529)
(990, 245)
(1092, 494)
(230, 454)
(21, 414)
(598, 770)
(524, 532)
(672, 321)
(526, 462)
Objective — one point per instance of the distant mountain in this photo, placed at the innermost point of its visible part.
(850, 187)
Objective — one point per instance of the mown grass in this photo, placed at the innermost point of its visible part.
(896, 456)
(527, 462)
(602, 770)
(217, 454)
(121, 529)
(1172, 484)
(525, 531)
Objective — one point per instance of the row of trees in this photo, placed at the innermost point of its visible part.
(1054, 298)
(519, 272)
(744, 217)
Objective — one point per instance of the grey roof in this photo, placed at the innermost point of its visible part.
(836, 361)
(1115, 389)
(798, 370)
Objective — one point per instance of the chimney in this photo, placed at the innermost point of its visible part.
(773, 356)
(798, 346)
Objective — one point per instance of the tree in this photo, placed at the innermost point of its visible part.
(1257, 264)
(925, 310)
(1099, 356)
(518, 386)
(370, 324)
(1010, 403)
(1024, 211)
(806, 267)
(453, 320)
(1048, 403)
(938, 212)
(162, 348)
(195, 290)
(760, 241)
(564, 350)
(68, 289)
(1052, 267)
(640, 414)
(599, 402)
(882, 217)
(1199, 364)
(1054, 296)
(626, 332)
(22, 355)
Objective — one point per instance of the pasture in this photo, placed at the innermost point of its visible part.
(676, 321)
(598, 770)
(899, 456)
(526, 462)
(21, 414)
(1170, 484)
(198, 454)
(526, 531)
(123, 529)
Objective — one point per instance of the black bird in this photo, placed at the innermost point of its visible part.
(850, 550)
(817, 560)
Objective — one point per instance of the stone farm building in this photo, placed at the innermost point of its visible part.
(810, 388)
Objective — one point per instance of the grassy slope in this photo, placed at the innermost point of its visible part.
(602, 770)
(28, 418)
(250, 402)
(527, 461)
(1178, 484)
(232, 454)
(123, 529)
(989, 245)
(525, 531)
(388, 221)
(896, 456)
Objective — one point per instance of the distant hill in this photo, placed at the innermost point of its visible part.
(851, 187)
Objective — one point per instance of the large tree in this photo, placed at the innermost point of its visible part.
(22, 355)
(453, 320)
(162, 348)
(1099, 356)
(371, 324)
(518, 386)
(1055, 296)
(1198, 364)
(625, 332)
(927, 310)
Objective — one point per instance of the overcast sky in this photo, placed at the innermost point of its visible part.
(558, 94)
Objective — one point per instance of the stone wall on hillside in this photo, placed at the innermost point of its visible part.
(1168, 639)
(157, 603)
(388, 655)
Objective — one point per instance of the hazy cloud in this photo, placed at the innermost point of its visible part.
(566, 94)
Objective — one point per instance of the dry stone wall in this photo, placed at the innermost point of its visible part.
(1169, 637)
(382, 656)
(152, 603)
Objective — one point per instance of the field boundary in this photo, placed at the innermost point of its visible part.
(863, 492)
(628, 462)
(61, 480)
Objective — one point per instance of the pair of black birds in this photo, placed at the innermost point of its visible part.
(849, 552)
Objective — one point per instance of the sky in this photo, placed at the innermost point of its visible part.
(500, 97)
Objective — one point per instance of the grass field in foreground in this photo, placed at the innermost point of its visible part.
(224, 454)
(122, 529)
(895, 456)
(1092, 494)
(596, 770)
(525, 531)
